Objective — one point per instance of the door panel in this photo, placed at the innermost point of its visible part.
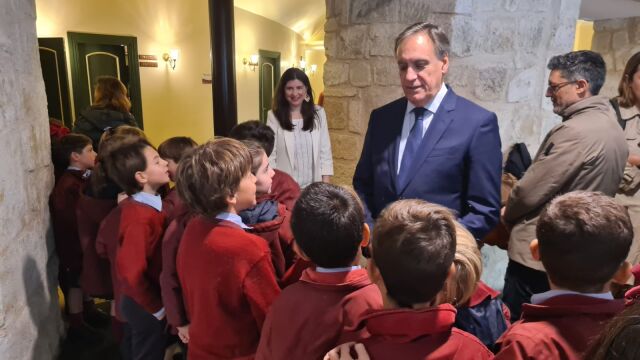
(54, 74)
(269, 77)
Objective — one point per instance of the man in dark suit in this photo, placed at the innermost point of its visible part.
(431, 144)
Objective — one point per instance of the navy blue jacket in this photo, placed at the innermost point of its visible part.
(459, 163)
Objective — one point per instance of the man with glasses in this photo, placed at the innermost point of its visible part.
(586, 151)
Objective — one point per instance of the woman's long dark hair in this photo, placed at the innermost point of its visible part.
(626, 97)
(281, 106)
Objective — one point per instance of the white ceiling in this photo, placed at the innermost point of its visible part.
(609, 9)
(301, 16)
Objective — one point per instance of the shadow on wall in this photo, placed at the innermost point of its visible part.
(43, 309)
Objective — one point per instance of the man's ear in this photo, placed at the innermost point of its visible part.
(534, 247)
(445, 64)
(582, 87)
(623, 274)
(366, 233)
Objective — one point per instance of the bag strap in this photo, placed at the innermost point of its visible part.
(616, 108)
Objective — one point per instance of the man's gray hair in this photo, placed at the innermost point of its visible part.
(437, 36)
(581, 65)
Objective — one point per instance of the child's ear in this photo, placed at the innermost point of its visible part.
(534, 247)
(623, 274)
(366, 233)
(141, 177)
(75, 156)
(232, 199)
(299, 251)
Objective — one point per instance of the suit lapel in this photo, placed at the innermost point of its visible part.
(439, 124)
(395, 121)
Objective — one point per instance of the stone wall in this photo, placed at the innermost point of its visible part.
(500, 49)
(617, 40)
(30, 324)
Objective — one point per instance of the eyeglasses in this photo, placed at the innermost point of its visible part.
(554, 88)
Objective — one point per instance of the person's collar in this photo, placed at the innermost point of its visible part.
(155, 201)
(434, 104)
(542, 297)
(407, 325)
(73, 168)
(234, 218)
(338, 269)
(629, 113)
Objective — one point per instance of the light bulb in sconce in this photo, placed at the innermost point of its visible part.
(314, 68)
(171, 57)
(303, 64)
(253, 61)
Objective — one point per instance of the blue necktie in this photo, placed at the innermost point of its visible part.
(411, 147)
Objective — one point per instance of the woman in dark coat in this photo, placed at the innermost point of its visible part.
(111, 108)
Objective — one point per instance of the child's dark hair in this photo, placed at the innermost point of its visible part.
(327, 223)
(414, 244)
(211, 173)
(256, 131)
(68, 144)
(176, 147)
(584, 238)
(123, 162)
(619, 339)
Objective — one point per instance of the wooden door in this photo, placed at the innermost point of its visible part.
(54, 73)
(269, 77)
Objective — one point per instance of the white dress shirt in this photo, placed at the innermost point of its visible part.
(410, 119)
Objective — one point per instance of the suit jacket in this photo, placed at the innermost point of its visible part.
(282, 156)
(459, 163)
(587, 151)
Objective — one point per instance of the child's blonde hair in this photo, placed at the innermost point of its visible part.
(468, 263)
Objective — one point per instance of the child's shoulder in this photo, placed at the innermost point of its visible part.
(231, 237)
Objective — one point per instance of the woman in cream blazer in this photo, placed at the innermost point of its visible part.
(294, 100)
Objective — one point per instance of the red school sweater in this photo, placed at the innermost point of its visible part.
(228, 284)
(62, 204)
(561, 327)
(317, 313)
(139, 256)
(284, 189)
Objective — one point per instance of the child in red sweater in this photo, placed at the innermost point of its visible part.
(138, 169)
(172, 150)
(226, 274)
(329, 227)
(77, 156)
(583, 241)
(414, 244)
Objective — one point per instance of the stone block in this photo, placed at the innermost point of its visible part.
(609, 61)
(498, 36)
(341, 91)
(373, 11)
(358, 120)
(337, 112)
(341, 11)
(522, 85)
(620, 39)
(529, 34)
(491, 82)
(487, 6)
(463, 36)
(564, 35)
(460, 76)
(360, 73)
(335, 73)
(382, 38)
(385, 72)
(330, 45)
(343, 171)
(376, 96)
(609, 25)
(418, 10)
(352, 42)
(331, 25)
(601, 41)
(345, 146)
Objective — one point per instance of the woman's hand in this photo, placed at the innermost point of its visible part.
(343, 352)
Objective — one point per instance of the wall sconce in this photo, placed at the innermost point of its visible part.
(252, 62)
(171, 57)
(303, 64)
(314, 69)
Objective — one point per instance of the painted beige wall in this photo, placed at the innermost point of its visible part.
(317, 57)
(255, 33)
(174, 102)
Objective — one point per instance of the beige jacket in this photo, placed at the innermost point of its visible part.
(587, 151)
(282, 156)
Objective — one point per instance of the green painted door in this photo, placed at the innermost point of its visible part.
(269, 77)
(104, 55)
(54, 74)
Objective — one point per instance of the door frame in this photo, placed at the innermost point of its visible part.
(131, 42)
(276, 76)
(49, 44)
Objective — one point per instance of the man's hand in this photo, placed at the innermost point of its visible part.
(506, 224)
(183, 333)
(343, 352)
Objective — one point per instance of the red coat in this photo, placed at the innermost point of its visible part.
(284, 189)
(169, 281)
(559, 328)
(95, 278)
(311, 316)
(279, 237)
(228, 285)
(139, 255)
(62, 204)
(173, 206)
(107, 247)
(420, 334)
